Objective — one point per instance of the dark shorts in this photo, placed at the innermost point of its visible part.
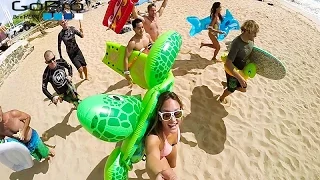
(77, 59)
(232, 83)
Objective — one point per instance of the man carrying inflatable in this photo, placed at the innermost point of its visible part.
(141, 41)
(15, 124)
(240, 50)
(151, 20)
(61, 83)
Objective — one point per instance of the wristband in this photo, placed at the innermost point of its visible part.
(126, 72)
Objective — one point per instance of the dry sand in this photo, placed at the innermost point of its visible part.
(270, 132)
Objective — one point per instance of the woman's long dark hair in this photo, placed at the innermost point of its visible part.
(214, 8)
(156, 127)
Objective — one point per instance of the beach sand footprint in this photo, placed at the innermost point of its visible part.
(205, 121)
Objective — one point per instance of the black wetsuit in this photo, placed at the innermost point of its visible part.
(57, 78)
(73, 50)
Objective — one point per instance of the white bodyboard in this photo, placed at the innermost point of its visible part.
(15, 156)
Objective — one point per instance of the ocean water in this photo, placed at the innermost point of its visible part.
(311, 6)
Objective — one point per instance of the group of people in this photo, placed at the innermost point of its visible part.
(163, 136)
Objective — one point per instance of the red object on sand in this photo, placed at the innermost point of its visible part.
(117, 14)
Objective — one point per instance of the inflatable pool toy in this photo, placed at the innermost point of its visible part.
(142, 2)
(142, 65)
(15, 155)
(114, 58)
(268, 65)
(249, 71)
(229, 23)
(115, 118)
(117, 14)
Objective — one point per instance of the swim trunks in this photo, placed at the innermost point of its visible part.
(77, 59)
(232, 83)
(37, 148)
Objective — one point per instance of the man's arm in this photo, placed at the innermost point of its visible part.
(25, 118)
(67, 66)
(150, 39)
(163, 6)
(45, 81)
(1, 113)
(59, 44)
(136, 15)
(79, 33)
(129, 50)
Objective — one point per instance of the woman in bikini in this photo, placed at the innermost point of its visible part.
(214, 29)
(161, 141)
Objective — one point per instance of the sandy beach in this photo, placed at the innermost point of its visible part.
(270, 132)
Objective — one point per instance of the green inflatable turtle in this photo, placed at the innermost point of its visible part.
(115, 118)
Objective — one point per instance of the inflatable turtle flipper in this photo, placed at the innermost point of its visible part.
(114, 169)
(111, 118)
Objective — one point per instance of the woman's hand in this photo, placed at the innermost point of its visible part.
(222, 32)
(167, 174)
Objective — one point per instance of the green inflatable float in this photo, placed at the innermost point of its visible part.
(249, 71)
(115, 118)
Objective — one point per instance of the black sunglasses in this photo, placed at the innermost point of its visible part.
(50, 61)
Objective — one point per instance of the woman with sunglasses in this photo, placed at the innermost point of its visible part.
(163, 137)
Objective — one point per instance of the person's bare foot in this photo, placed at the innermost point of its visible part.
(216, 60)
(81, 75)
(222, 101)
(224, 84)
(51, 155)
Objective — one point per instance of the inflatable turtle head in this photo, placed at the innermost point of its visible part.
(111, 118)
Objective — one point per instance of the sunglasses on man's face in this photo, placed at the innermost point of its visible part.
(51, 60)
(167, 116)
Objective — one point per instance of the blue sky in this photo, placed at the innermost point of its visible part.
(7, 4)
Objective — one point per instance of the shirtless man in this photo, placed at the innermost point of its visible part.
(15, 124)
(151, 20)
(141, 41)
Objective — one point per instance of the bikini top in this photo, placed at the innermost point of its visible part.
(167, 148)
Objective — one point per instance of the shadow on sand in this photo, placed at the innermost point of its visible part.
(183, 67)
(62, 129)
(28, 174)
(205, 121)
(121, 84)
(98, 172)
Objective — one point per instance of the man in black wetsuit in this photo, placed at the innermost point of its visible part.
(61, 82)
(67, 35)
